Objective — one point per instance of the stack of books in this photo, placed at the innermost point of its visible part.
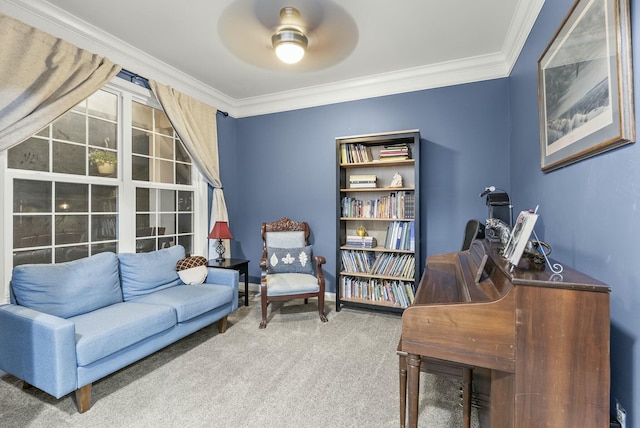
(395, 152)
(362, 181)
(361, 241)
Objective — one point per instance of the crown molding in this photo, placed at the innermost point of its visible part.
(43, 15)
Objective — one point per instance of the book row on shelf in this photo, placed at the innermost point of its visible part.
(400, 205)
(399, 293)
(400, 236)
(360, 153)
(395, 152)
(388, 264)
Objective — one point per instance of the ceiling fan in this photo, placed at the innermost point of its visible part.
(252, 29)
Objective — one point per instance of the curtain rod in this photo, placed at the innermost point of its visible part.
(136, 79)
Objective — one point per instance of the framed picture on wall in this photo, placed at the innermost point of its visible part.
(585, 90)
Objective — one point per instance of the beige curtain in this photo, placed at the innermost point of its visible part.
(195, 123)
(41, 78)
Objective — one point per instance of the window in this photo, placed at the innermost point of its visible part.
(109, 175)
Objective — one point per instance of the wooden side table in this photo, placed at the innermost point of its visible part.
(241, 265)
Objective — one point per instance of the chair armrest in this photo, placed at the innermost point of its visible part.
(226, 277)
(38, 348)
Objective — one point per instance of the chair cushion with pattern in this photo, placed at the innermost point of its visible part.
(290, 260)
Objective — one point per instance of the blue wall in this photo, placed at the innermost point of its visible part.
(473, 135)
(589, 210)
(285, 164)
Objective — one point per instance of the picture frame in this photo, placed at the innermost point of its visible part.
(585, 89)
(519, 237)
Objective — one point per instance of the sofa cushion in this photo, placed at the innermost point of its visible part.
(144, 273)
(68, 289)
(111, 329)
(190, 301)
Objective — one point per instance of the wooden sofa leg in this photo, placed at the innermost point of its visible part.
(222, 324)
(83, 398)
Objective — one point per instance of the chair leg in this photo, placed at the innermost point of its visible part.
(263, 301)
(83, 398)
(323, 317)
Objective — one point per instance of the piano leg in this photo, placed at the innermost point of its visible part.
(467, 377)
(403, 389)
(413, 383)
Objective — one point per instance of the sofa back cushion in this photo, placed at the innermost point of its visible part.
(144, 273)
(68, 289)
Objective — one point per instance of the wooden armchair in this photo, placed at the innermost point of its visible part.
(287, 266)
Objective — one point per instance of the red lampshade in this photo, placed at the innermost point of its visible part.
(220, 231)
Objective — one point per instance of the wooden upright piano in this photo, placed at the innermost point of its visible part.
(536, 343)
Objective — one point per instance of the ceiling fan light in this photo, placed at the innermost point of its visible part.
(290, 45)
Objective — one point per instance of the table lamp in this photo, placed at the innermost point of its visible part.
(220, 231)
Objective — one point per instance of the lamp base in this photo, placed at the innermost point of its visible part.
(220, 251)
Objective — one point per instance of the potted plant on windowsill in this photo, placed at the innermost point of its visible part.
(104, 160)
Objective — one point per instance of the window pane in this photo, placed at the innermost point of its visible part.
(143, 199)
(31, 231)
(69, 158)
(181, 153)
(104, 198)
(31, 154)
(67, 254)
(143, 224)
(70, 127)
(142, 116)
(163, 126)
(103, 228)
(163, 171)
(185, 223)
(71, 229)
(140, 168)
(167, 200)
(31, 196)
(185, 201)
(145, 245)
(107, 247)
(32, 256)
(140, 141)
(103, 104)
(103, 134)
(183, 173)
(72, 197)
(164, 147)
(187, 242)
(168, 222)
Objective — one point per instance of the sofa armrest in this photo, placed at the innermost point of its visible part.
(226, 277)
(38, 348)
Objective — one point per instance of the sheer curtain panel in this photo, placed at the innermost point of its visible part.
(42, 77)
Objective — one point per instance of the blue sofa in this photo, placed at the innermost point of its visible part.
(70, 324)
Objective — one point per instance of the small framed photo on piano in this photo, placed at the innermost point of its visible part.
(519, 236)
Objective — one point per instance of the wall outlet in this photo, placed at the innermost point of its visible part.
(621, 415)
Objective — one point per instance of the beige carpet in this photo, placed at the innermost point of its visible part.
(298, 372)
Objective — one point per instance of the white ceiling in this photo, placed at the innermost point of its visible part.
(400, 46)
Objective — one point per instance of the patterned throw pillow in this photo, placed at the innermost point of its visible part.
(289, 260)
(192, 270)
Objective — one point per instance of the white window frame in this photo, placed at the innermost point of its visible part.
(126, 196)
